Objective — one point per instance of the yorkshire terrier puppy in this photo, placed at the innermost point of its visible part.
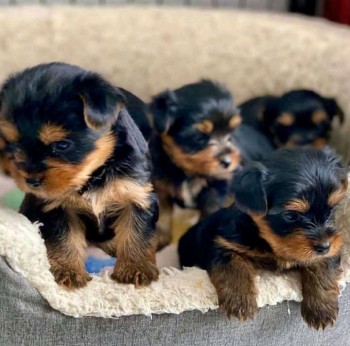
(299, 117)
(73, 148)
(194, 151)
(283, 218)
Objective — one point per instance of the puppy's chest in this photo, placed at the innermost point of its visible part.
(93, 202)
(187, 193)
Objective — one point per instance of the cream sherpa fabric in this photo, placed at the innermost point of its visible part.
(175, 291)
(148, 49)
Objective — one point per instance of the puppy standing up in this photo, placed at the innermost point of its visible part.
(74, 149)
(197, 145)
(282, 219)
(299, 117)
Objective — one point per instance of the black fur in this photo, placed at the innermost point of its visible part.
(262, 113)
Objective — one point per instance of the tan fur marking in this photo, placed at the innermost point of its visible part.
(320, 290)
(165, 190)
(9, 131)
(240, 249)
(203, 162)
(136, 257)
(2, 144)
(235, 121)
(206, 126)
(262, 259)
(50, 133)
(67, 257)
(6, 164)
(298, 205)
(295, 247)
(319, 143)
(62, 177)
(336, 197)
(318, 117)
(286, 119)
(119, 193)
(235, 286)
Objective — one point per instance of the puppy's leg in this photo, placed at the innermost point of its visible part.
(64, 238)
(166, 209)
(233, 277)
(134, 243)
(164, 224)
(320, 307)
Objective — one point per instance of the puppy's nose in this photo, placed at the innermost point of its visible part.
(34, 182)
(322, 248)
(225, 161)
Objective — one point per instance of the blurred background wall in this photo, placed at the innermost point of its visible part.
(335, 10)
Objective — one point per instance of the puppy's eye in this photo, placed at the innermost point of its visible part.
(61, 146)
(292, 216)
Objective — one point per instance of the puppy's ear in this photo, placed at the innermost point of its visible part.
(249, 191)
(102, 102)
(333, 109)
(163, 108)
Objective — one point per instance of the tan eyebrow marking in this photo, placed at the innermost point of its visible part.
(235, 121)
(50, 133)
(319, 116)
(336, 197)
(9, 131)
(286, 119)
(206, 126)
(298, 205)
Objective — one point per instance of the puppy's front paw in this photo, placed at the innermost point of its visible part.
(320, 316)
(69, 278)
(129, 273)
(240, 305)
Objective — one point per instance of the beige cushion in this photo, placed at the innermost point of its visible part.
(148, 49)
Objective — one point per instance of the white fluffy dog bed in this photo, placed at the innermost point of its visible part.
(175, 291)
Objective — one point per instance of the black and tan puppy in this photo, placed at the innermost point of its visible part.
(196, 148)
(72, 146)
(282, 219)
(299, 117)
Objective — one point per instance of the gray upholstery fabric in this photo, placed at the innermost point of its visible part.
(26, 319)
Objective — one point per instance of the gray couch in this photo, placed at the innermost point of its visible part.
(26, 319)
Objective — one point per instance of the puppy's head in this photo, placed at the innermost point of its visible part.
(195, 124)
(292, 197)
(301, 117)
(55, 121)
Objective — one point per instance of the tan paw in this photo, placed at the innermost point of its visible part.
(239, 305)
(70, 279)
(129, 273)
(320, 316)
